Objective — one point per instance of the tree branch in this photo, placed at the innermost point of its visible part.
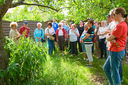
(23, 3)
(64, 8)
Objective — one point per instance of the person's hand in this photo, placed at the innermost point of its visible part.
(72, 30)
(108, 35)
(98, 33)
(75, 32)
(50, 34)
(81, 41)
(113, 41)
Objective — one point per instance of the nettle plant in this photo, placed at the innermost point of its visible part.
(26, 60)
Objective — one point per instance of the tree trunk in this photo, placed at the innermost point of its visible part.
(3, 54)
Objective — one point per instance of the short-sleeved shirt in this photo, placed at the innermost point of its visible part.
(55, 26)
(50, 30)
(38, 34)
(24, 31)
(13, 35)
(102, 30)
(120, 32)
(90, 38)
(73, 36)
(111, 26)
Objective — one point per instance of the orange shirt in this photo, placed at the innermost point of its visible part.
(120, 32)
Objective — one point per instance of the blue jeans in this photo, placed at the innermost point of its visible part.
(50, 46)
(112, 65)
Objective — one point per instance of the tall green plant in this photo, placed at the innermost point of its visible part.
(26, 60)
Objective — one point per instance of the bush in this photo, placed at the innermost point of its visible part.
(26, 60)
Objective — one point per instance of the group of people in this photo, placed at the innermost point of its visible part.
(109, 35)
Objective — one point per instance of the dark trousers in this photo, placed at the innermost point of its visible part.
(102, 47)
(61, 43)
(80, 46)
(74, 47)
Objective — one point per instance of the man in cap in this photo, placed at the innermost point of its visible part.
(25, 30)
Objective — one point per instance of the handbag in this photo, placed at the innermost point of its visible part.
(51, 38)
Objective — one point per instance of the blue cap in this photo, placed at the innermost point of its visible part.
(25, 22)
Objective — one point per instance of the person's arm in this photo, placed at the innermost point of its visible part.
(107, 31)
(46, 32)
(111, 37)
(87, 35)
(77, 33)
(18, 35)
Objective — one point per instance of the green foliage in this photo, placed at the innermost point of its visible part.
(29, 64)
(2, 2)
(78, 10)
(26, 60)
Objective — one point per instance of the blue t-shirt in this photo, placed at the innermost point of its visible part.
(55, 26)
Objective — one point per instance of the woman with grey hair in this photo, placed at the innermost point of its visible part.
(39, 33)
(14, 34)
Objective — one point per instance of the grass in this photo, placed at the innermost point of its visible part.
(72, 70)
(56, 70)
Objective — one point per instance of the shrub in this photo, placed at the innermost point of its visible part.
(26, 60)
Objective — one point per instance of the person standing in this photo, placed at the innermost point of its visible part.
(82, 43)
(96, 50)
(39, 33)
(73, 36)
(60, 34)
(102, 39)
(64, 25)
(88, 40)
(55, 25)
(50, 32)
(80, 29)
(14, 34)
(25, 30)
(68, 36)
(118, 40)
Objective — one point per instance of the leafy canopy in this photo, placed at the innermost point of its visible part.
(74, 10)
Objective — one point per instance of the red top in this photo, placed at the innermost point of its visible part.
(58, 32)
(120, 32)
(24, 31)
